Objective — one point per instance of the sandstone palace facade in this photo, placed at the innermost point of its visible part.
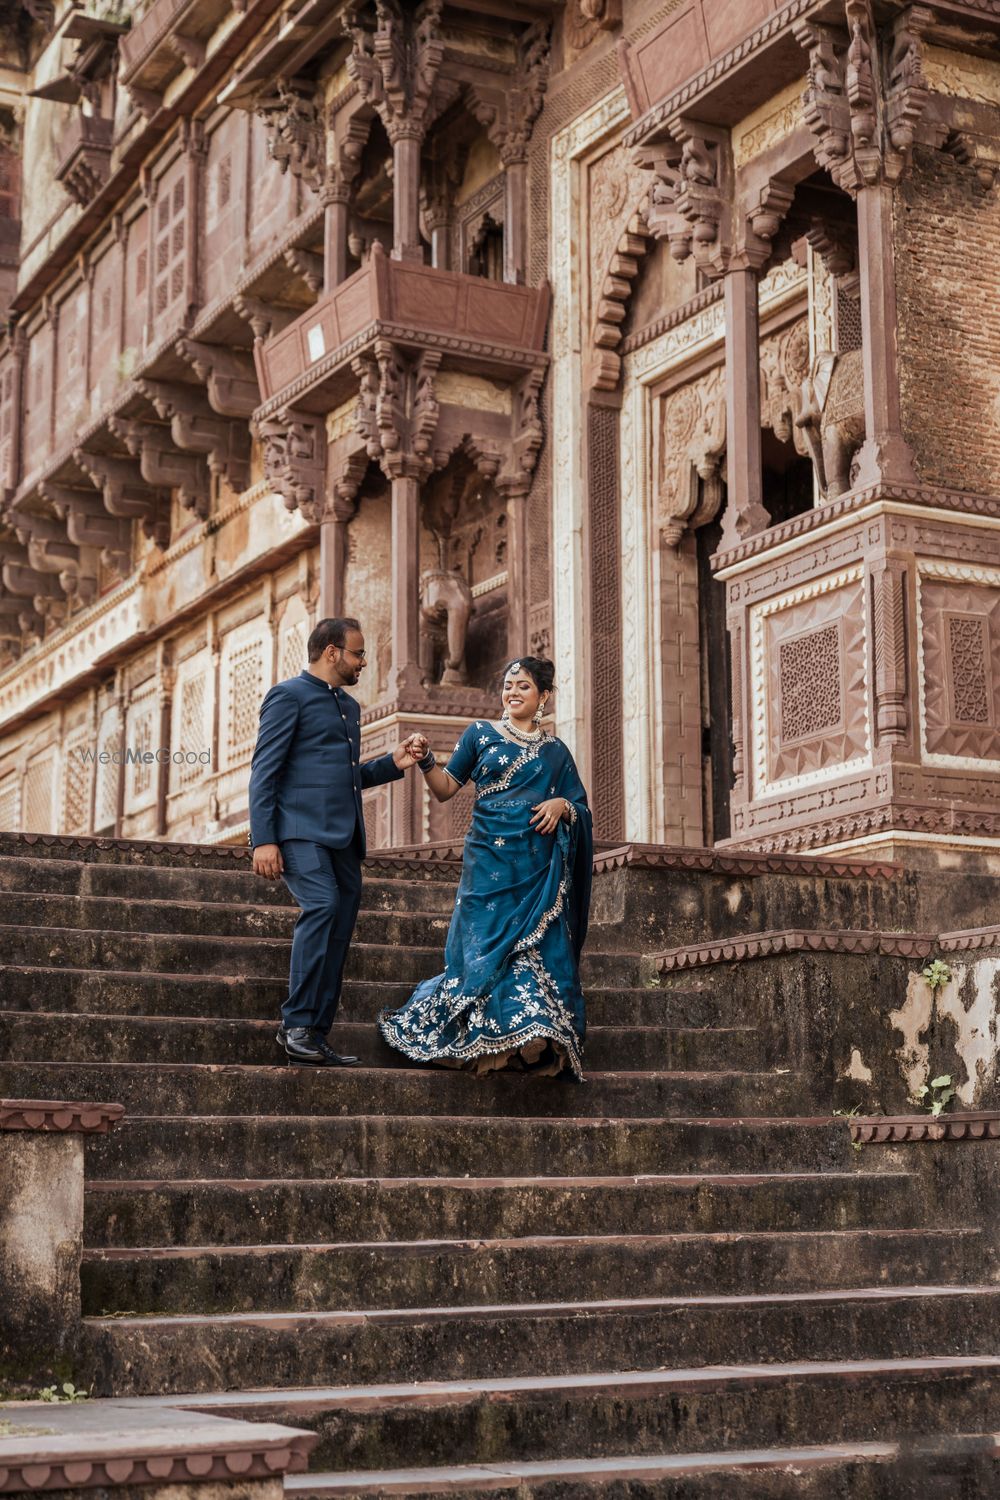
(662, 338)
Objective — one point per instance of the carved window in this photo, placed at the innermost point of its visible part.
(245, 689)
(169, 248)
(10, 801)
(193, 726)
(141, 739)
(293, 651)
(968, 655)
(486, 250)
(77, 772)
(810, 676)
(38, 788)
(108, 741)
(848, 322)
(8, 417)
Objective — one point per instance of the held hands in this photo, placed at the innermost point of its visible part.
(267, 861)
(413, 748)
(547, 814)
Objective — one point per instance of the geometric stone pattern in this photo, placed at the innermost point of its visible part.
(960, 672)
(808, 671)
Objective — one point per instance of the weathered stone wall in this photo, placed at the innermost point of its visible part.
(947, 232)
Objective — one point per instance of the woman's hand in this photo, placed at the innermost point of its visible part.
(547, 814)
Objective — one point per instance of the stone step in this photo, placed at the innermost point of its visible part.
(603, 1414)
(941, 1469)
(415, 1146)
(68, 1037)
(275, 1211)
(123, 992)
(179, 1089)
(139, 883)
(110, 914)
(435, 1274)
(264, 957)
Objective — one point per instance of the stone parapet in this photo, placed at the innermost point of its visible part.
(41, 1234)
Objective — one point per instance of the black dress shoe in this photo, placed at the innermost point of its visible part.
(305, 1046)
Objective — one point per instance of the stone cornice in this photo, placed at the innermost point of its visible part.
(74, 1464)
(967, 1125)
(659, 857)
(57, 1116)
(929, 497)
(682, 99)
(794, 940)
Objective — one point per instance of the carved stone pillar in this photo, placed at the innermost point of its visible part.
(406, 195)
(405, 582)
(165, 676)
(515, 237)
(517, 568)
(745, 513)
(886, 454)
(335, 222)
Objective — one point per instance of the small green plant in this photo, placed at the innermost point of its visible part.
(937, 1093)
(937, 973)
(65, 1392)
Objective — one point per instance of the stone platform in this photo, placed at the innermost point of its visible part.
(674, 1276)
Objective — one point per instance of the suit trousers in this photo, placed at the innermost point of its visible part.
(326, 885)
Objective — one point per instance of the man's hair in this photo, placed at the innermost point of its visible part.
(329, 633)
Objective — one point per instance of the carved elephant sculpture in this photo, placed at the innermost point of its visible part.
(832, 417)
(445, 610)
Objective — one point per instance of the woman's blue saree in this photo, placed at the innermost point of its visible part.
(510, 993)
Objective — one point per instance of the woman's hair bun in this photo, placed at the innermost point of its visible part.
(541, 671)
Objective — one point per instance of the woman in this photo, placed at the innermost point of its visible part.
(510, 994)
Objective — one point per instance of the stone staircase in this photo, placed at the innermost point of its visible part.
(674, 1280)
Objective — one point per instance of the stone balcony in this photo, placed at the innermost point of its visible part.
(489, 327)
(85, 157)
(172, 35)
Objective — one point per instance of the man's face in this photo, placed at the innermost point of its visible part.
(349, 659)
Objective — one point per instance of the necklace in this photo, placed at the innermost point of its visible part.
(525, 736)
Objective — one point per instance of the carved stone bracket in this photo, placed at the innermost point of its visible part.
(162, 466)
(509, 112)
(50, 551)
(703, 188)
(228, 375)
(194, 429)
(293, 118)
(977, 151)
(307, 265)
(397, 409)
(395, 59)
(867, 98)
(612, 305)
(89, 525)
(295, 460)
(126, 494)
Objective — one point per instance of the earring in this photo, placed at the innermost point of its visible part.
(537, 716)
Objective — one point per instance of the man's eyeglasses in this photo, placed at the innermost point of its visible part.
(361, 656)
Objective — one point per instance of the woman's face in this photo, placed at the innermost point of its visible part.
(520, 695)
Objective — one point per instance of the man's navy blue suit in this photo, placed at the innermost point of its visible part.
(306, 780)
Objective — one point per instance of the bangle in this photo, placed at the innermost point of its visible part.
(429, 761)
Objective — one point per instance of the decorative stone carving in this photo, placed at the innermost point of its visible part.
(508, 111)
(397, 410)
(832, 418)
(162, 466)
(295, 460)
(888, 585)
(306, 265)
(785, 366)
(583, 20)
(194, 429)
(446, 606)
(293, 118)
(866, 100)
(692, 446)
(50, 551)
(395, 61)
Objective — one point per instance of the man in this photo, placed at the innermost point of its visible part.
(306, 823)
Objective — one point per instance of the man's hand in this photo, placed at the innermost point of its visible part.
(413, 748)
(267, 861)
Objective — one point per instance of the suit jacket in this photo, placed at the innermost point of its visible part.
(306, 775)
